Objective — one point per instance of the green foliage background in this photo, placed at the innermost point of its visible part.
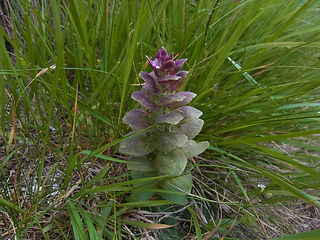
(64, 90)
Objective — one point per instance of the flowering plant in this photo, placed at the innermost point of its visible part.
(166, 147)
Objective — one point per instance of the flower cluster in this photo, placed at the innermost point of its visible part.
(166, 147)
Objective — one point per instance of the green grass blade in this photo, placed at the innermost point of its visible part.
(93, 235)
(310, 235)
(76, 221)
(10, 205)
(195, 222)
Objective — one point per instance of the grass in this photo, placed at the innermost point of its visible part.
(67, 84)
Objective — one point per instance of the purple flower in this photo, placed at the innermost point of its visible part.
(166, 74)
(164, 65)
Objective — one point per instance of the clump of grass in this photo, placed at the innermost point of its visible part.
(66, 85)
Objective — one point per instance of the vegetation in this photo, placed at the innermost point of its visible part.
(67, 71)
(167, 145)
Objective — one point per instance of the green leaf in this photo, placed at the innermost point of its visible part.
(225, 224)
(192, 148)
(171, 163)
(196, 223)
(172, 140)
(8, 204)
(122, 186)
(310, 235)
(101, 156)
(173, 118)
(137, 119)
(141, 193)
(137, 145)
(191, 128)
(140, 163)
(102, 219)
(146, 225)
(180, 184)
(189, 112)
(76, 221)
(93, 234)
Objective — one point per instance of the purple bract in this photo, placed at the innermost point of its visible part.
(166, 71)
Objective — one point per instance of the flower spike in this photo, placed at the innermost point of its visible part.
(165, 148)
